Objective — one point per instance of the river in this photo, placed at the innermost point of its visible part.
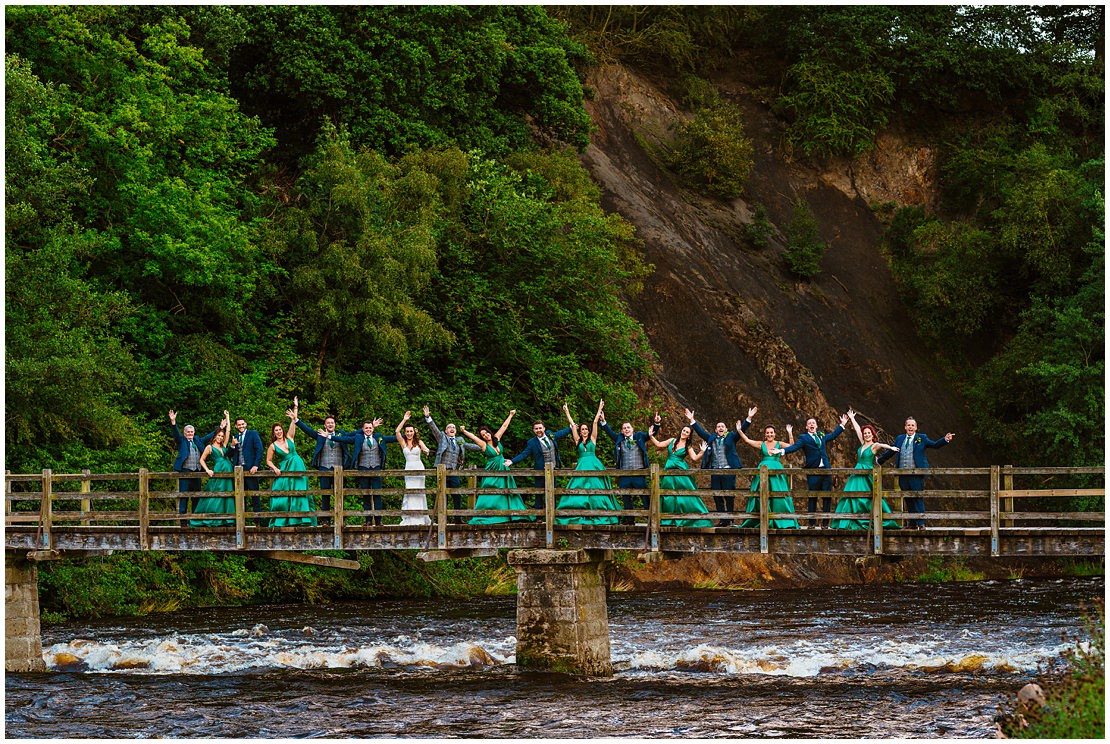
(901, 661)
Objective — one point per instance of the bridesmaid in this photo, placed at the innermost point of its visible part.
(772, 451)
(677, 449)
(414, 449)
(860, 483)
(585, 438)
(283, 446)
(490, 443)
(220, 501)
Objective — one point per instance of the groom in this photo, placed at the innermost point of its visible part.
(631, 454)
(543, 448)
(330, 452)
(720, 454)
(451, 453)
(911, 448)
(813, 442)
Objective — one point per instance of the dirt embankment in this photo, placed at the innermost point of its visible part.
(730, 325)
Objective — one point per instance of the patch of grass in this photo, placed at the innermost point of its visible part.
(501, 581)
(1076, 567)
(943, 570)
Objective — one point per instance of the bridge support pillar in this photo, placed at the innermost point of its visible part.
(562, 623)
(23, 641)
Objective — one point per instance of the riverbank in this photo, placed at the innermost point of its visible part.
(135, 584)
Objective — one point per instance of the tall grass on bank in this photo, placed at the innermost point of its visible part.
(1074, 697)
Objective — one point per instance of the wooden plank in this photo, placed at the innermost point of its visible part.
(1053, 492)
(144, 509)
(240, 508)
(429, 556)
(877, 509)
(1008, 485)
(441, 505)
(46, 510)
(86, 487)
(655, 507)
(549, 504)
(338, 507)
(764, 508)
(995, 487)
(312, 560)
(1060, 516)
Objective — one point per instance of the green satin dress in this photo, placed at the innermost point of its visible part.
(498, 501)
(588, 460)
(860, 483)
(220, 501)
(291, 461)
(778, 484)
(676, 460)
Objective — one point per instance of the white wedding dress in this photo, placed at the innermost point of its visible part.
(414, 499)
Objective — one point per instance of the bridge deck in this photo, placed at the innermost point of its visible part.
(1003, 515)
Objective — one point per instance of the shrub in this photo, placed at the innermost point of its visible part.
(804, 247)
(711, 151)
(760, 229)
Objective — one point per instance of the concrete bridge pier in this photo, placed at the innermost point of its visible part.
(561, 617)
(23, 639)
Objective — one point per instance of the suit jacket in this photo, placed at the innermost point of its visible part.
(183, 445)
(920, 443)
(356, 439)
(814, 447)
(535, 450)
(251, 445)
(442, 438)
(322, 440)
(639, 438)
(730, 444)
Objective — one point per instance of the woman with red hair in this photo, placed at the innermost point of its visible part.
(860, 483)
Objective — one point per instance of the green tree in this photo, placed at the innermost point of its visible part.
(804, 246)
(712, 151)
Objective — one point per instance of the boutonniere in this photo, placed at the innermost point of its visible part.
(819, 434)
(917, 440)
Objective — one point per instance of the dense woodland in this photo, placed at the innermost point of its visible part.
(380, 208)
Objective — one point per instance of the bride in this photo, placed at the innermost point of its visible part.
(413, 449)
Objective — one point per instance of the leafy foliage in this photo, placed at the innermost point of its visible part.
(712, 152)
(804, 247)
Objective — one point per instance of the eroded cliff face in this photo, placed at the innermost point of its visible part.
(730, 325)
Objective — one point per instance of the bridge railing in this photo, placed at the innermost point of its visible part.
(995, 498)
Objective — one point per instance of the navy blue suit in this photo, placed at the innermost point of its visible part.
(250, 447)
(534, 450)
(920, 443)
(639, 440)
(722, 482)
(321, 442)
(817, 456)
(357, 439)
(187, 485)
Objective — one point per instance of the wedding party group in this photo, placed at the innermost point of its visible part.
(364, 450)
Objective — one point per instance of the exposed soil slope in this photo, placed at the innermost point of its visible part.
(731, 327)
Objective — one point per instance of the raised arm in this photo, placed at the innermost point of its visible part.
(790, 433)
(570, 420)
(401, 425)
(855, 425)
(657, 443)
(744, 435)
(431, 423)
(481, 443)
(505, 426)
(293, 422)
(597, 417)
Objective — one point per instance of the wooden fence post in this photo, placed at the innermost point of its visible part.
(472, 486)
(240, 508)
(877, 508)
(994, 511)
(655, 507)
(337, 505)
(764, 507)
(144, 509)
(1008, 484)
(7, 495)
(86, 487)
(441, 505)
(549, 503)
(46, 510)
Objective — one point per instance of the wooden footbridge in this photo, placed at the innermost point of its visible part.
(999, 511)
